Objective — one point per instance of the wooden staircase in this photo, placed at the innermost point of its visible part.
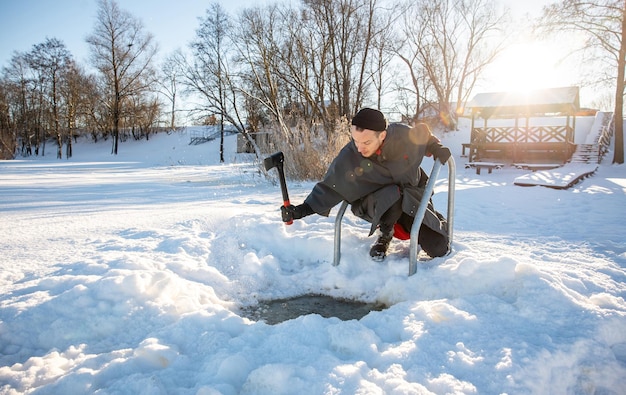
(597, 142)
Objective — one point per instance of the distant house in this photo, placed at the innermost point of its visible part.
(435, 114)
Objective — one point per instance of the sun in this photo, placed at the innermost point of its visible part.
(529, 66)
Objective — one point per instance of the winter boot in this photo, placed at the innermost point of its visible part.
(378, 252)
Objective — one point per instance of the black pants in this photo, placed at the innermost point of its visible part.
(432, 242)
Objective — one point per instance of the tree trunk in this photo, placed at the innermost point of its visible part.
(222, 139)
(172, 123)
(618, 156)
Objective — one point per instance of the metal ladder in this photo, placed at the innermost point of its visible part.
(419, 217)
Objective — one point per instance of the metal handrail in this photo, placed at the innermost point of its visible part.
(419, 217)
(338, 218)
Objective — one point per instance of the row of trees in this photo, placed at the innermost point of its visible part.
(298, 71)
(301, 70)
(45, 93)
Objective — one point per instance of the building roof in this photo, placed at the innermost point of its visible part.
(554, 100)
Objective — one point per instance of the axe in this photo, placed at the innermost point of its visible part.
(276, 160)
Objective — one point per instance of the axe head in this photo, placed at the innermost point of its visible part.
(274, 160)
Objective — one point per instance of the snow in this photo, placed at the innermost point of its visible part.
(561, 177)
(127, 274)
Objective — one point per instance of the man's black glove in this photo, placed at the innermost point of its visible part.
(292, 212)
(442, 154)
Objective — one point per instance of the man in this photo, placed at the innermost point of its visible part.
(379, 174)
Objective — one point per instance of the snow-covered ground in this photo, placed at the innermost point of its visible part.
(127, 274)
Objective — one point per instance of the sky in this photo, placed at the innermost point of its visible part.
(24, 23)
(132, 274)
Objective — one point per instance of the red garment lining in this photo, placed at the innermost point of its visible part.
(400, 233)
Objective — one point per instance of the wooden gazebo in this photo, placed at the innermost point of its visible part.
(520, 141)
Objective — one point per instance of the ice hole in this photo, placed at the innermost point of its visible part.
(276, 311)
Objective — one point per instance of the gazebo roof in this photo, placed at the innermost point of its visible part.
(554, 100)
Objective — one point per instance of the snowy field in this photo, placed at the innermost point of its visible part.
(127, 275)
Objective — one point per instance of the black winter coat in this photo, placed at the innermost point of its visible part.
(372, 185)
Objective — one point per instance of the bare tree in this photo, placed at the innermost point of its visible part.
(453, 41)
(313, 54)
(347, 27)
(408, 54)
(209, 75)
(289, 81)
(258, 50)
(301, 66)
(98, 117)
(142, 115)
(171, 72)
(75, 89)
(123, 54)
(19, 86)
(604, 24)
(51, 58)
(28, 90)
(383, 54)
(8, 140)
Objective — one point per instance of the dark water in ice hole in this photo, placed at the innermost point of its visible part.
(279, 310)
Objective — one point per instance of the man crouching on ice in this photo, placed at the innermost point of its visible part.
(379, 174)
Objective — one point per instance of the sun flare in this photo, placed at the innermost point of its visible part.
(529, 66)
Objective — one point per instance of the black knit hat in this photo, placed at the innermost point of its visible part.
(371, 119)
